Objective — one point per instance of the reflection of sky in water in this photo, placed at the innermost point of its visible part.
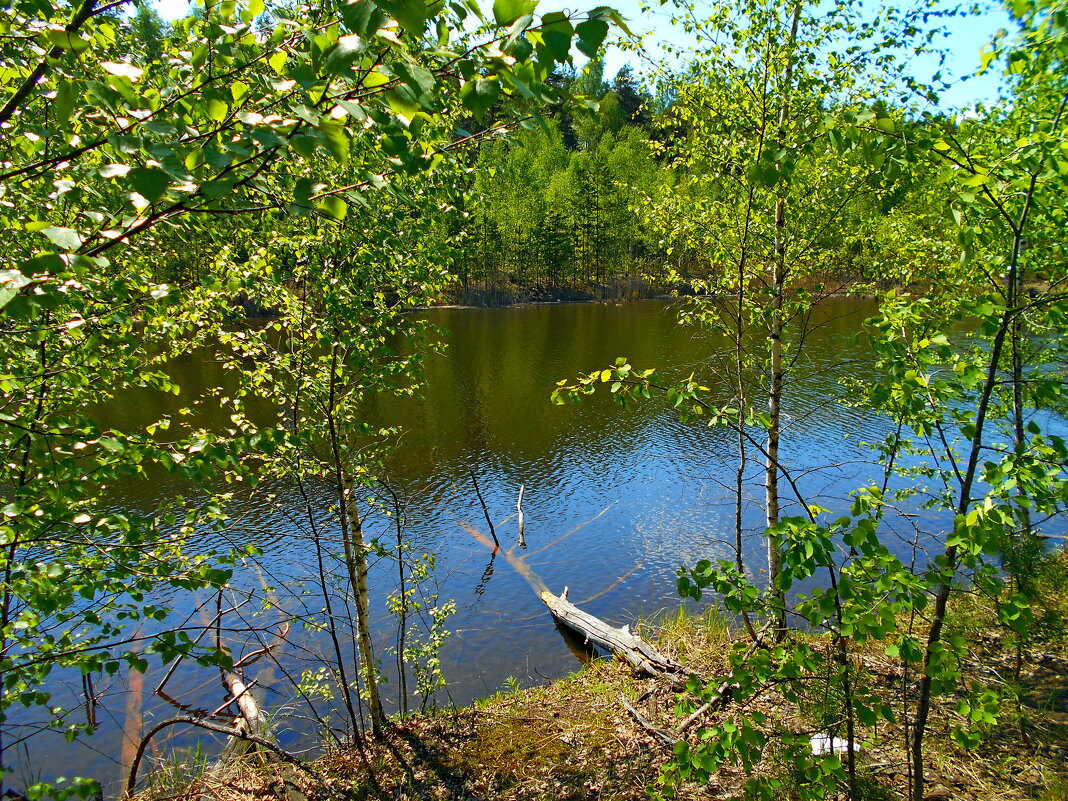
(616, 500)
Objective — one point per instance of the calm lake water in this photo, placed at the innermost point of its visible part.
(615, 500)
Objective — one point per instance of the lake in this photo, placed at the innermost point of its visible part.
(615, 500)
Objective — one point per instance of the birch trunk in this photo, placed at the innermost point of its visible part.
(775, 369)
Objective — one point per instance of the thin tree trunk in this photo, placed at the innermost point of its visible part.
(402, 622)
(775, 332)
(331, 620)
(949, 558)
(355, 557)
(341, 675)
(771, 469)
(739, 367)
(1021, 541)
(356, 562)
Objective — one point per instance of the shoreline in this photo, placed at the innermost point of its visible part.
(604, 733)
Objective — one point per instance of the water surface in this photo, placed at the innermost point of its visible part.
(616, 500)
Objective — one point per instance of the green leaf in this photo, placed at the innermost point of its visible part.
(200, 56)
(614, 16)
(362, 17)
(66, 41)
(505, 12)
(304, 189)
(517, 28)
(762, 173)
(479, 95)
(411, 14)
(215, 109)
(63, 105)
(420, 80)
(11, 281)
(591, 34)
(402, 102)
(557, 31)
(217, 189)
(278, 61)
(149, 182)
(65, 238)
(335, 140)
(344, 54)
(354, 110)
(865, 714)
(333, 207)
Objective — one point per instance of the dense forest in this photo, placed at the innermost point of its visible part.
(556, 209)
(335, 167)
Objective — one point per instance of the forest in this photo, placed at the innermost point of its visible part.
(285, 186)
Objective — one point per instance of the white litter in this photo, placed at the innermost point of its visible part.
(825, 744)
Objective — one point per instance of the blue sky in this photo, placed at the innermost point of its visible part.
(967, 37)
(965, 40)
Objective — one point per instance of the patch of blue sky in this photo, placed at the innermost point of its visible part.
(964, 39)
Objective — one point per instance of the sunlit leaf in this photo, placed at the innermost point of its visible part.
(65, 238)
(123, 70)
(505, 12)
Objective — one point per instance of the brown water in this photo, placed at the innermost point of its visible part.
(636, 493)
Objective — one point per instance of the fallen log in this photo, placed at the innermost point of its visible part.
(641, 655)
(251, 725)
(619, 641)
(252, 721)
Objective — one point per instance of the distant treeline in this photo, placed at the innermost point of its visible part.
(553, 211)
(600, 206)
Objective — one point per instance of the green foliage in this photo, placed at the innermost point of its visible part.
(774, 188)
(423, 652)
(151, 180)
(555, 213)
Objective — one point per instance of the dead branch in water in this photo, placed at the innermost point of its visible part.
(621, 642)
(519, 509)
(485, 511)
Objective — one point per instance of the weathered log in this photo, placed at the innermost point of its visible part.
(621, 642)
(252, 722)
(641, 655)
(251, 713)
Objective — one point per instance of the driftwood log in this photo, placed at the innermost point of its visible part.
(641, 655)
(251, 721)
(619, 641)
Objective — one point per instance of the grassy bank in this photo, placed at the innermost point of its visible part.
(581, 737)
